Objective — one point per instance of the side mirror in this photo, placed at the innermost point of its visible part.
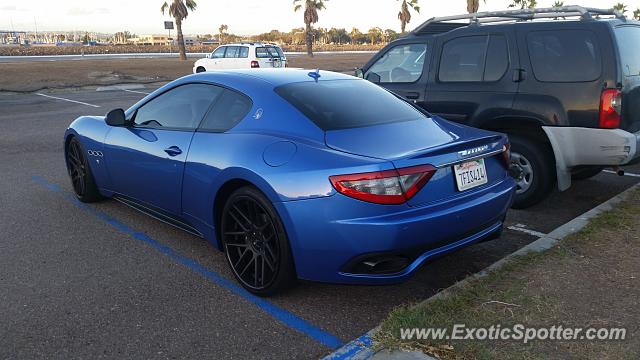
(359, 73)
(373, 77)
(208, 56)
(116, 118)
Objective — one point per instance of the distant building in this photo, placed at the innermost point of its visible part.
(150, 40)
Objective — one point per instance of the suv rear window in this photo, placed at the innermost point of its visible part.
(564, 56)
(346, 104)
(268, 52)
(628, 38)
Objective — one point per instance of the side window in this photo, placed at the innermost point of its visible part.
(497, 58)
(564, 56)
(463, 59)
(182, 107)
(243, 52)
(401, 64)
(262, 53)
(219, 53)
(232, 52)
(227, 112)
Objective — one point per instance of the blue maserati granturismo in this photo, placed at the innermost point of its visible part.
(297, 174)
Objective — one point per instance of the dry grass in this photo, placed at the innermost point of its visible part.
(589, 280)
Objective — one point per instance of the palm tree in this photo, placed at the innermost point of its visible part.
(404, 15)
(473, 6)
(311, 8)
(179, 9)
(524, 4)
(636, 14)
(221, 31)
(620, 7)
(558, 4)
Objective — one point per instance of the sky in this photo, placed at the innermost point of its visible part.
(244, 17)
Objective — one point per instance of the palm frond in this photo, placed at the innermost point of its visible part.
(191, 4)
(164, 7)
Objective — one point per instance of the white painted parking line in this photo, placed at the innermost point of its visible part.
(134, 91)
(69, 100)
(523, 228)
(625, 174)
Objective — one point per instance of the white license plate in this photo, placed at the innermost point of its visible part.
(470, 174)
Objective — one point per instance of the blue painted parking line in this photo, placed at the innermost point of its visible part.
(285, 317)
(358, 349)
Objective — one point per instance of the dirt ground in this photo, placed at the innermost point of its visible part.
(37, 75)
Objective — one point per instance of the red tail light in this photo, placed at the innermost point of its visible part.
(506, 156)
(255, 64)
(610, 108)
(384, 187)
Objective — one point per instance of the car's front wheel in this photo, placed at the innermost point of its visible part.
(534, 167)
(84, 184)
(255, 243)
(200, 69)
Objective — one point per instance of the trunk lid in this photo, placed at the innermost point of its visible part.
(433, 141)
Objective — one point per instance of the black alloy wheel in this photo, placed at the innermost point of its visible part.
(255, 243)
(82, 180)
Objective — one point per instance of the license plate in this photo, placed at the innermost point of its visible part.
(470, 174)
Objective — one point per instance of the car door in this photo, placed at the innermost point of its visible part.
(472, 76)
(145, 160)
(217, 58)
(403, 69)
(230, 58)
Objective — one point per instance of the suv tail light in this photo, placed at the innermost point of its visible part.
(506, 156)
(610, 108)
(384, 187)
(255, 64)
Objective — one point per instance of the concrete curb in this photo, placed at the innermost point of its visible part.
(360, 348)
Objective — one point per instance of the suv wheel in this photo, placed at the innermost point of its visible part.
(534, 165)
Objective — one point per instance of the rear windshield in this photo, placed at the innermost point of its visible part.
(628, 38)
(268, 52)
(346, 104)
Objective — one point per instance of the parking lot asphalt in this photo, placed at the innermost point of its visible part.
(102, 280)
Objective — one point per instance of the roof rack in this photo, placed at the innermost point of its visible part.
(435, 25)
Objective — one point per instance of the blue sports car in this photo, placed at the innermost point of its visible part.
(297, 174)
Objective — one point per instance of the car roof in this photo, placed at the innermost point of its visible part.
(275, 77)
(251, 44)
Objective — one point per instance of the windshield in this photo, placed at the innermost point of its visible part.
(628, 38)
(346, 104)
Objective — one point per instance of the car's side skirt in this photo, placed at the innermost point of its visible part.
(158, 214)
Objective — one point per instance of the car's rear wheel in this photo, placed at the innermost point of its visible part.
(256, 245)
(200, 69)
(84, 184)
(534, 165)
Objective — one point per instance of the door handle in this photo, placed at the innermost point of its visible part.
(173, 151)
(413, 96)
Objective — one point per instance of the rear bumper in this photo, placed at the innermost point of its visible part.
(575, 146)
(330, 236)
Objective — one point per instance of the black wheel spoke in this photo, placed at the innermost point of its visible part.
(251, 242)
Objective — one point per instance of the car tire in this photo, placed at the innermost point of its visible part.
(255, 243)
(535, 164)
(586, 172)
(82, 180)
(200, 69)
